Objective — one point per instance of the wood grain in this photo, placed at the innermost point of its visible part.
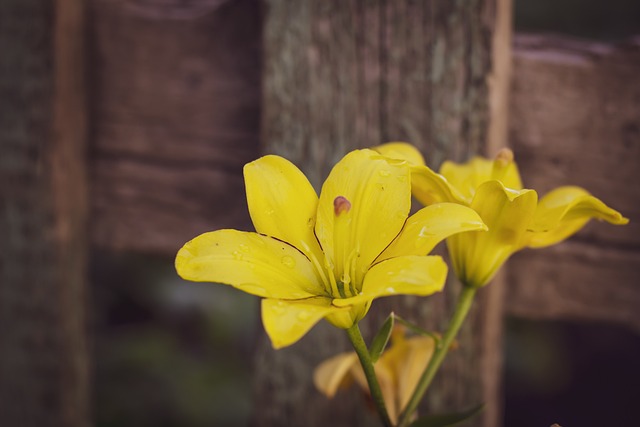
(575, 110)
(176, 116)
(349, 74)
(43, 213)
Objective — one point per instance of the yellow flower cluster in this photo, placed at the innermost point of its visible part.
(329, 256)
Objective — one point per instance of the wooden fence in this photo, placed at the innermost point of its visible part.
(125, 125)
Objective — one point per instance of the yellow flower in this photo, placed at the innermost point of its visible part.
(398, 371)
(515, 217)
(328, 257)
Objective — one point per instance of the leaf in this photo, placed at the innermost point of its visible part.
(382, 338)
(416, 329)
(445, 420)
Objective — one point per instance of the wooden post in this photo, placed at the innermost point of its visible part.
(43, 212)
(349, 74)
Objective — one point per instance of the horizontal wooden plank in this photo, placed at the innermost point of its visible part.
(575, 119)
(176, 114)
(575, 281)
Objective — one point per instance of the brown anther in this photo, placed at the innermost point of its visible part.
(340, 205)
(504, 157)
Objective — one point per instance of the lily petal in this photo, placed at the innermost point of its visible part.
(406, 275)
(429, 187)
(287, 321)
(409, 359)
(429, 226)
(282, 203)
(476, 256)
(564, 211)
(375, 197)
(467, 177)
(251, 262)
(331, 374)
(401, 151)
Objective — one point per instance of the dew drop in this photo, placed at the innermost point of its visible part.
(304, 315)
(252, 288)
(287, 261)
(237, 255)
(278, 309)
(269, 212)
(384, 172)
(391, 290)
(424, 232)
(244, 248)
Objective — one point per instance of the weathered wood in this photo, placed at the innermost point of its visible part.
(176, 116)
(576, 120)
(43, 212)
(67, 159)
(342, 75)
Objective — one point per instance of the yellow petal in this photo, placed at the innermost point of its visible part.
(429, 187)
(467, 177)
(331, 374)
(429, 226)
(287, 321)
(564, 211)
(378, 198)
(506, 170)
(253, 263)
(401, 151)
(477, 256)
(416, 353)
(408, 275)
(282, 202)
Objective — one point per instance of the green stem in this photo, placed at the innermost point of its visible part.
(367, 366)
(442, 347)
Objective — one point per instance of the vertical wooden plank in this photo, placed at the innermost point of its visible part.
(349, 74)
(42, 215)
(69, 189)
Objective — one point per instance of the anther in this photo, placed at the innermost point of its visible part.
(340, 205)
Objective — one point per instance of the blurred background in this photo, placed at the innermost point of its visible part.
(164, 352)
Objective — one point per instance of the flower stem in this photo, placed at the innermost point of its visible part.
(462, 309)
(367, 366)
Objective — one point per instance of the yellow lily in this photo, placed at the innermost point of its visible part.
(515, 217)
(328, 257)
(398, 371)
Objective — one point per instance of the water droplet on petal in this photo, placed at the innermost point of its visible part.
(391, 290)
(384, 172)
(304, 315)
(252, 288)
(424, 232)
(278, 308)
(243, 247)
(237, 255)
(287, 261)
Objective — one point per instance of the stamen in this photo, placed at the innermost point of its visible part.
(504, 157)
(321, 271)
(341, 243)
(340, 205)
(500, 165)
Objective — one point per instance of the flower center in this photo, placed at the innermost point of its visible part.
(342, 269)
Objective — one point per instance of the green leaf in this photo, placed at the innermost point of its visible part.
(382, 338)
(445, 420)
(416, 329)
